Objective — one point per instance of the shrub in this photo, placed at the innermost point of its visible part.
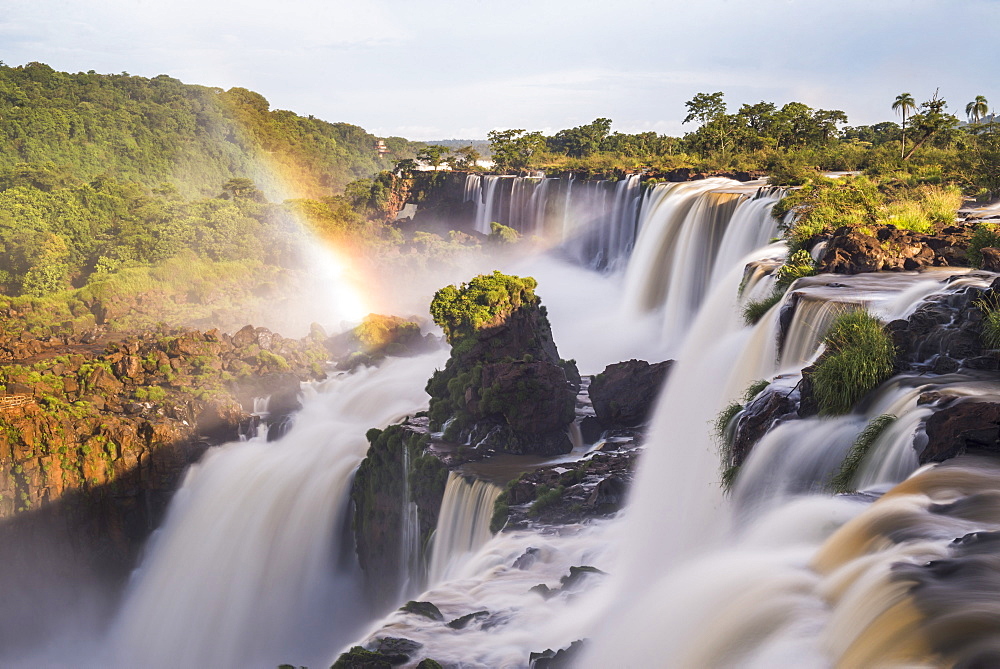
(849, 468)
(990, 308)
(799, 264)
(859, 356)
(487, 298)
(546, 498)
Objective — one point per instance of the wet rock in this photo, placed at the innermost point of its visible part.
(425, 609)
(565, 658)
(759, 416)
(591, 429)
(463, 621)
(545, 591)
(577, 575)
(526, 559)
(361, 658)
(960, 427)
(623, 393)
(396, 650)
(609, 494)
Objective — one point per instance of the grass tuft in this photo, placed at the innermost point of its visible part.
(859, 356)
(844, 479)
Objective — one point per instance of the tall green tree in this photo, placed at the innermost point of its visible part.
(977, 109)
(513, 149)
(433, 154)
(904, 103)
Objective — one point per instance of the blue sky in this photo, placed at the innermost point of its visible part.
(437, 69)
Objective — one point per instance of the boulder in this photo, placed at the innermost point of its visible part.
(623, 393)
(960, 427)
(991, 259)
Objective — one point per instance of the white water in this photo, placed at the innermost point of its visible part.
(463, 525)
(247, 570)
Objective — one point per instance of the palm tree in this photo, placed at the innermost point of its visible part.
(904, 103)
(977, 109)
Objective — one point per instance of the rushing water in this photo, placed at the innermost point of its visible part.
(248, 569)
(252, 566)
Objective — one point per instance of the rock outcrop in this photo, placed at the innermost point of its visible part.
(853, 250)
(394, 474)
(504, 387)
(623, 394)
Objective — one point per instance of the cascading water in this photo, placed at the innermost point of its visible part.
(463, 525)
(251, 567)
(593, 223)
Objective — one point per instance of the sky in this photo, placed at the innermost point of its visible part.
(442, 69)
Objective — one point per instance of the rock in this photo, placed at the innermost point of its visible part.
(591, 429)
(425, 609)
(463, 621)
(991, 259)
(609, 494)
(377, 494)
(759, 416)
(504, 388)
(623, 393)
(565, 658)
(396, 650)
(576, 575)
(526, 559)
(360, 658)
(959, 427)
(545, 591)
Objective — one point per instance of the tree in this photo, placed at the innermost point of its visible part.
(931, 120)
(404, 167)
(977, 109)
(904, 103)
(513, 149)
(583, 140)
(704, 107)
(465, 158)
(433, 154)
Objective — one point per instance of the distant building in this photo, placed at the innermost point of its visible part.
(381, 147)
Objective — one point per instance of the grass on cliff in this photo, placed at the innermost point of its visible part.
(859, 356)
(843, 480)
(822, 206)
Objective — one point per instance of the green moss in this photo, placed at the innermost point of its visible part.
(990, 308)
(842, 482)
(859, 356)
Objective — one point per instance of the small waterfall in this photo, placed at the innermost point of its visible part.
(409, 541)
(463, 524)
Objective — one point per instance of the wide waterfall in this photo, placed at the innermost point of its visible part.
(255, 565)
(597, 223)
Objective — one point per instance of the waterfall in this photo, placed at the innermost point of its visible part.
(463, 524)
(592, 222)
(409, 541)
(251, 566)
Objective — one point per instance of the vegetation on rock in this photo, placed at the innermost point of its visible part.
(859, 356)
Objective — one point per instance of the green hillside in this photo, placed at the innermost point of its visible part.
(159, 130)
